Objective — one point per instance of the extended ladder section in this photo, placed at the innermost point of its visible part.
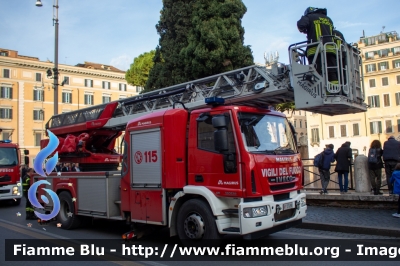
(313, 90)
(251, 86)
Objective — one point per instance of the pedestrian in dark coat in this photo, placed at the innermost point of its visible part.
(375, 169)
(343, 161)
(391, 156)
(329, 157)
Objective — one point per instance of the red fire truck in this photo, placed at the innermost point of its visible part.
(204, 158)
(10, 175)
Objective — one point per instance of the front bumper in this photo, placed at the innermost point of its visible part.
(279, 212)
(6, 192)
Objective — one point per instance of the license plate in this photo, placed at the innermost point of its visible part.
(289, 205)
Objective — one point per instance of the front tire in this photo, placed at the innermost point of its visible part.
(67, 216)
(196, 222)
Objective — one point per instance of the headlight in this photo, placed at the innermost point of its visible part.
(303, 202)
(255, 212)
(15, 190)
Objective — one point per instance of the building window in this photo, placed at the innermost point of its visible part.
(139, 89)
(2, 53)
(372, 83)
(301, 123)
(375, 127)
(398, 79)
(343, 131)
(388, 125)
(38, 138)
(315, 135)
(106, 85)
(6, 92)
(38, 95)
(331, 130)
(384, 52)
(122, 87)
(383, 66)
(385, 81)
(386, 100)
(299, 112)
(88, 99)
(38, 77)
(373, 101)
(65, 81)
(106, 99)
(356, 130)
(369, 55)
(396, 63)
(66, 97)
(370, 68)
(38, 115)
(89, 83)
(5, 113)
(396, 50)
(6, 73)
(397, 98)
(295, 123)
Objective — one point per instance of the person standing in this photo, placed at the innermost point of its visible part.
(375, 168)
(328, 158)
(391, 156)
(315, 23)
(343, 161)
(30, 215)
(395, 181)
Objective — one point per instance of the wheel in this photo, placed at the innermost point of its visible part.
(66, 216)
(196, 222)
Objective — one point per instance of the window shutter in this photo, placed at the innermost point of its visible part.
(371, 127)
(380, 126)
(378, 102)
(11, 93)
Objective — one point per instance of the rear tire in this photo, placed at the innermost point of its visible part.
(196, 222)
(67, 216)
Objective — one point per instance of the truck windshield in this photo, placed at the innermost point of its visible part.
(266, 133)
(8, 157)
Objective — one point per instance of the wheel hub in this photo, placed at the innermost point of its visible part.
(194, 226)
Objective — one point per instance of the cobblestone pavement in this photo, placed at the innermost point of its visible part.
(352, 217)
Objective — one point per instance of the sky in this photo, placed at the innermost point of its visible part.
(115, 32)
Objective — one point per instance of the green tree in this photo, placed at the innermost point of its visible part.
(288, 106)
(173, 28)
(216, 39)
(198, 39)
(138, 73)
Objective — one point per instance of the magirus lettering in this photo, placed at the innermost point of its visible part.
(307, 89)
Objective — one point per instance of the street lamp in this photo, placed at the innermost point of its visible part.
(55, 69)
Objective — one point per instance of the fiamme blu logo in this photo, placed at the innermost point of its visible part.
(49, 166)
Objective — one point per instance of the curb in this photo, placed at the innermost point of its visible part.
(343, 228)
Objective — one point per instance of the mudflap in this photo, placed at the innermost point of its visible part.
(263, 233)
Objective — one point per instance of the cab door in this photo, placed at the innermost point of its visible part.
(218, 170)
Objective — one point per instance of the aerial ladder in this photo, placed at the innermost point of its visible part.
(258, 86)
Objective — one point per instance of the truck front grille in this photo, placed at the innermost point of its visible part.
(4, 191)
(284, 215)
(5, 178)
(281, 187)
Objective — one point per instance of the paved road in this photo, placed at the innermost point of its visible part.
(13, 226)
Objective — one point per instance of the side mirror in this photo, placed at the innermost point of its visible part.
(219, 121)
(221, 140)
(26, 152)
(26, 160)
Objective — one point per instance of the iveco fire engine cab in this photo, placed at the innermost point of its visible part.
(205, 158)
(10, 175)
